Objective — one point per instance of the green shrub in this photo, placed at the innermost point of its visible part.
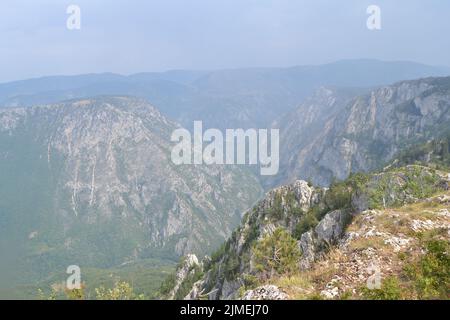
(251, 235)
(276, 212)
(339, 196)
(167, 285)
(390, 290)
(231, 266)
(218, 254)
(431, 275)
(296, 211)
(346, 295)
(121, 291)
(250, 281)
(435, 151)
(307, 222)
(277, 253)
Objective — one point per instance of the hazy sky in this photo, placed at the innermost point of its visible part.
(128, 36)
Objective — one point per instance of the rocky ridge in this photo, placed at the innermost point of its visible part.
(357, 226)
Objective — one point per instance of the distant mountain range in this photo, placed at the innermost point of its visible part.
(232, 98)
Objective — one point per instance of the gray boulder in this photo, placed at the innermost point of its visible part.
(307, 246)
(268, 292)
(331, 227)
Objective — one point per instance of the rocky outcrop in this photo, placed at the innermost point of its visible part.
(268, 292)
(184, 270)
(327, 233)
(281, 208)
(331, 227)
(308, 247)
(196, 291)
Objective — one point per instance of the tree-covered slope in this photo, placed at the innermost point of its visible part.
(90, 182)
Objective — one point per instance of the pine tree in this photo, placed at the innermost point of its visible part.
(276, 254)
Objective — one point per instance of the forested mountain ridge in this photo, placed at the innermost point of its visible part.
(91, 182)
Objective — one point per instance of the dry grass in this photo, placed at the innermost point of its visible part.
(362, 243)
(298, 287)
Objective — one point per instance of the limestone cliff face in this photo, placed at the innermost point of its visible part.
(109, 192)
(333, 134)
